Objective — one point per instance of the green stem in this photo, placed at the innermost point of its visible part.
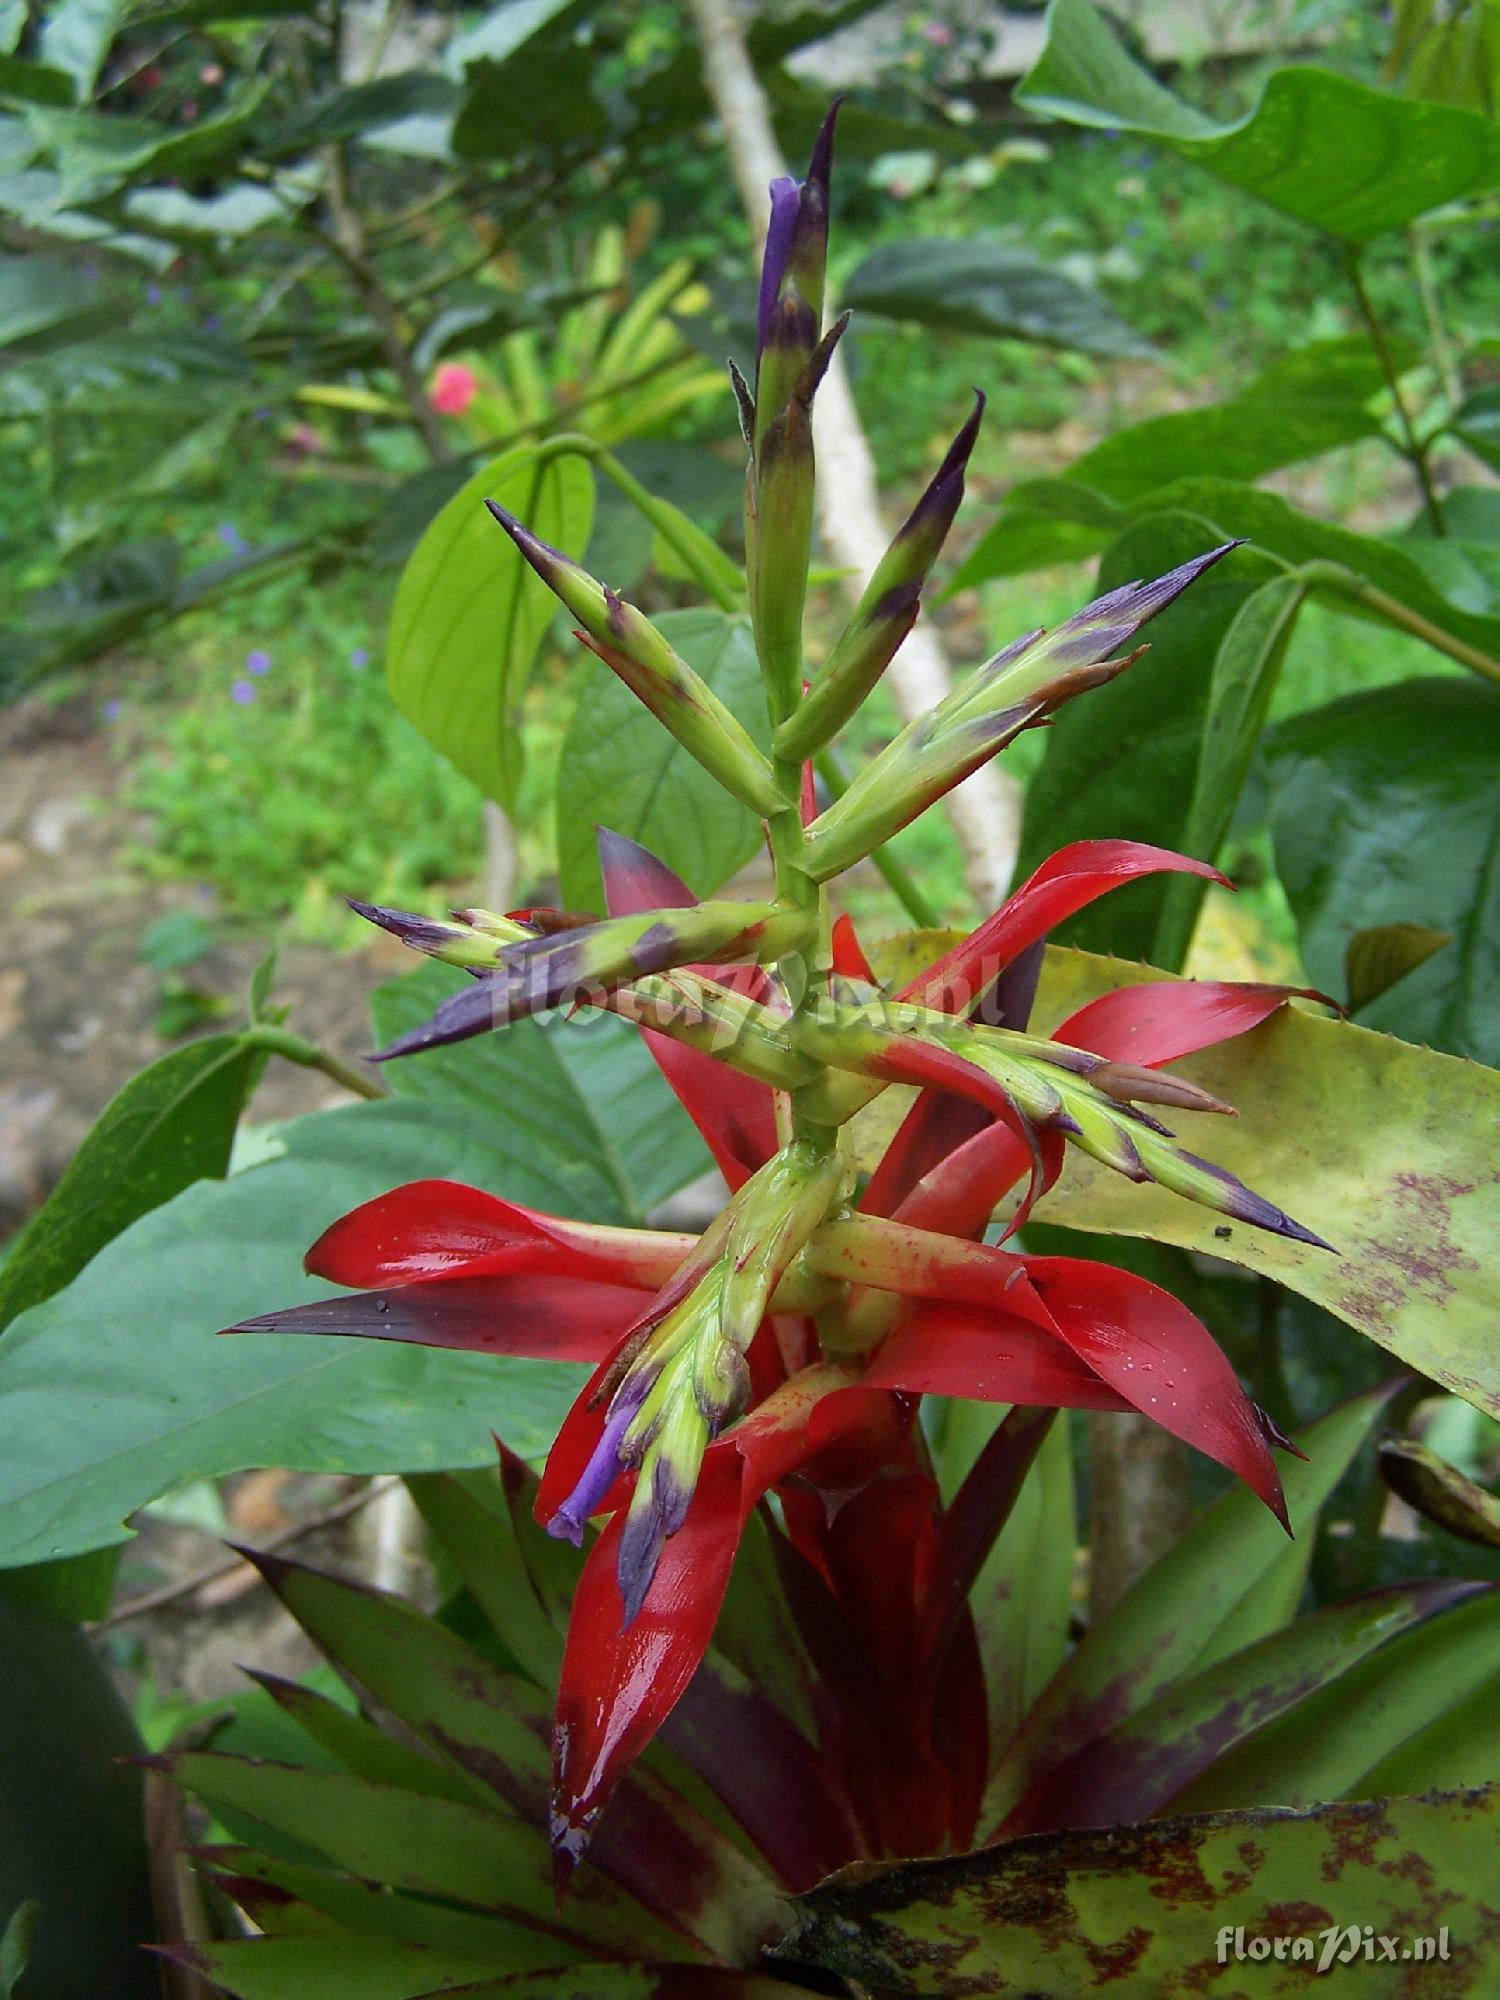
(1413, 450)
(1346, 583)
(668, 524)
(1437, 332)
(307, 1055)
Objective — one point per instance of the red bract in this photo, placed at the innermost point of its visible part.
(931, 1311)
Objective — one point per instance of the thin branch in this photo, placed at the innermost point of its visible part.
(308, 1055)
(1413, 451)
(170, 1593)
(1347, 583)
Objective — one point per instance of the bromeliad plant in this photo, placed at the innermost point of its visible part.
(780, 1356)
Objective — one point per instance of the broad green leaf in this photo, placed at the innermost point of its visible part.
(117, 1390)
(1176, 1746)
(350, 112)
(1328, 151)
(1240, 687)
(77, 36)
(1167, 1624)
(333, 1968)
(619, 768)
(1039, 1920)
(1045, 521)
(1385, 1150)
(72, 1589)
(1088, 520)
(1477, 422)
(595, 1130)
(1121, 764)
(171, 1125)
(1310, 401)
(1375, 959)
(34, 83)
(96, 156)
(15, 1945)
(233, 211)
(1324, 1747)
(1440, 1492)
(1385, 809)
(469, 614)
(971, 285)
(47, 302)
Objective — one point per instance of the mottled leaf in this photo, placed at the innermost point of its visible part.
(1383, 1149)
(1440, 1491)
(1051, 1917)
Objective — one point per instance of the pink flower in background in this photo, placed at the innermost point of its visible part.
(454, 387)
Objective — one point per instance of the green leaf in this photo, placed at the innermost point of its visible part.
(430, 1846)
(619, 768)
(48, 302)
(593, 1128)
(1385, 810)
(34, 83)
(171, 1125)
(371, 1910)
(96, 156)
(1328, 151)
(1477, 423)
(1171, 1620)
(1375, 959)
(1175, 1748)
(77, 36)
(1310, 401)
(358, 108)
(472, 1526)
(333, 1968)
(1383, 1149)
(15, 1945)
(1045, 521)
(72, 1589)
(1440, 1492)
(1038, 1919)
(470, 615)
(972, 285)
(1121, 764)
(117, 1390)
(1022, 1600)
(1058, 520)
(1244, 676)
(1325, 1747)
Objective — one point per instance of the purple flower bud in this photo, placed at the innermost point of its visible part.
(153, 295)
(242, 692)
(113, 710)
(231, 537)
(258, 661)
(359, 659)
